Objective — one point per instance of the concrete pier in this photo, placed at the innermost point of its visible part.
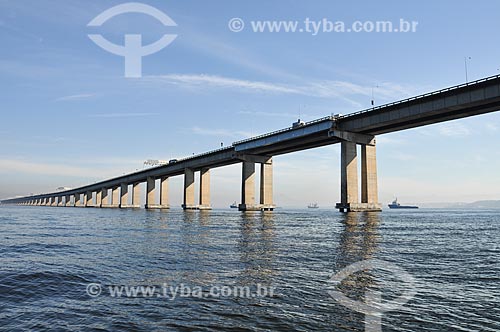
(136, 195)
(188, 202)
(67, 200)
(115, 198)
(349, 194)
(98, 198)
(248, 187)
(123, 196)
(204, 199)
(248, 201)
(104, 198)
(369, 182)
(164, 204)
(151, 193)
(77, 202)
(266, 186)
(89, 199)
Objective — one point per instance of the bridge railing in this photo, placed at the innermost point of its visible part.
(282, 130)
(455, 87)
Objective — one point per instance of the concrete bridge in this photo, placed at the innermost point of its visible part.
(361, 128)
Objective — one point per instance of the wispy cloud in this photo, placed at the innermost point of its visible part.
(453, 130)
(491, 126)
(273, 114)
(76, 97)
(346, 91)
(122, 115)
(387, 140)
(220, 132)
(214, 81)
(21, 166)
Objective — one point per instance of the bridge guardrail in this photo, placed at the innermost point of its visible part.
(282, 130)
(455, 87)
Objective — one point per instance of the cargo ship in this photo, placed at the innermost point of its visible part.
(396, 205)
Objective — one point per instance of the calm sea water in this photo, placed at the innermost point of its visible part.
(50, 255)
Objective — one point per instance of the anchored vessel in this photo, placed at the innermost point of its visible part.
(234, 205)
(396, 205)
(313, 206)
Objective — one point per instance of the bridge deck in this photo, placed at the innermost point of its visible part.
(479, 97)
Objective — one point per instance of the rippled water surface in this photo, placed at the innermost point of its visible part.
(50, 255)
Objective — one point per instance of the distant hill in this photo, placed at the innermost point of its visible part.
(487, 204)
(483, 205)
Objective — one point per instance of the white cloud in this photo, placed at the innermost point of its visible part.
(453, 130)
(20, 166)
(203, 81)
(76, 97)
(121, 115)
(491, 126)
(319, 88)
(220, 132)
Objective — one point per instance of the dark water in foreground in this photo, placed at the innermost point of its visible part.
(48, 256)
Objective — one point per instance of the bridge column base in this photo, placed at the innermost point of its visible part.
(110, 206)
(256, 207)
(359, 207)
(156, 206)
(196, 207)
(127, 206)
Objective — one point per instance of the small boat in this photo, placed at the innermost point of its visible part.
(234, 205)
(313, 206)
(396, 205)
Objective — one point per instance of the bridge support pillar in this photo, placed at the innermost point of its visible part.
(248, 202)
(369, 183)
(151, 193)
(104, 198)
(77, 200)
(163, 194)
(53, 201)
(88, 199)
(60, 201)
(136, 195)
(98, 198)
(266, 186)
(205, 190)
(115, 197)
(188, 190)
(124, 196)
(349, 199)
(67, 200)
(248, 187)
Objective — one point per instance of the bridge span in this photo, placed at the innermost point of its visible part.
(360, 128)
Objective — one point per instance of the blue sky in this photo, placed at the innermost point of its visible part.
(70, 117)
